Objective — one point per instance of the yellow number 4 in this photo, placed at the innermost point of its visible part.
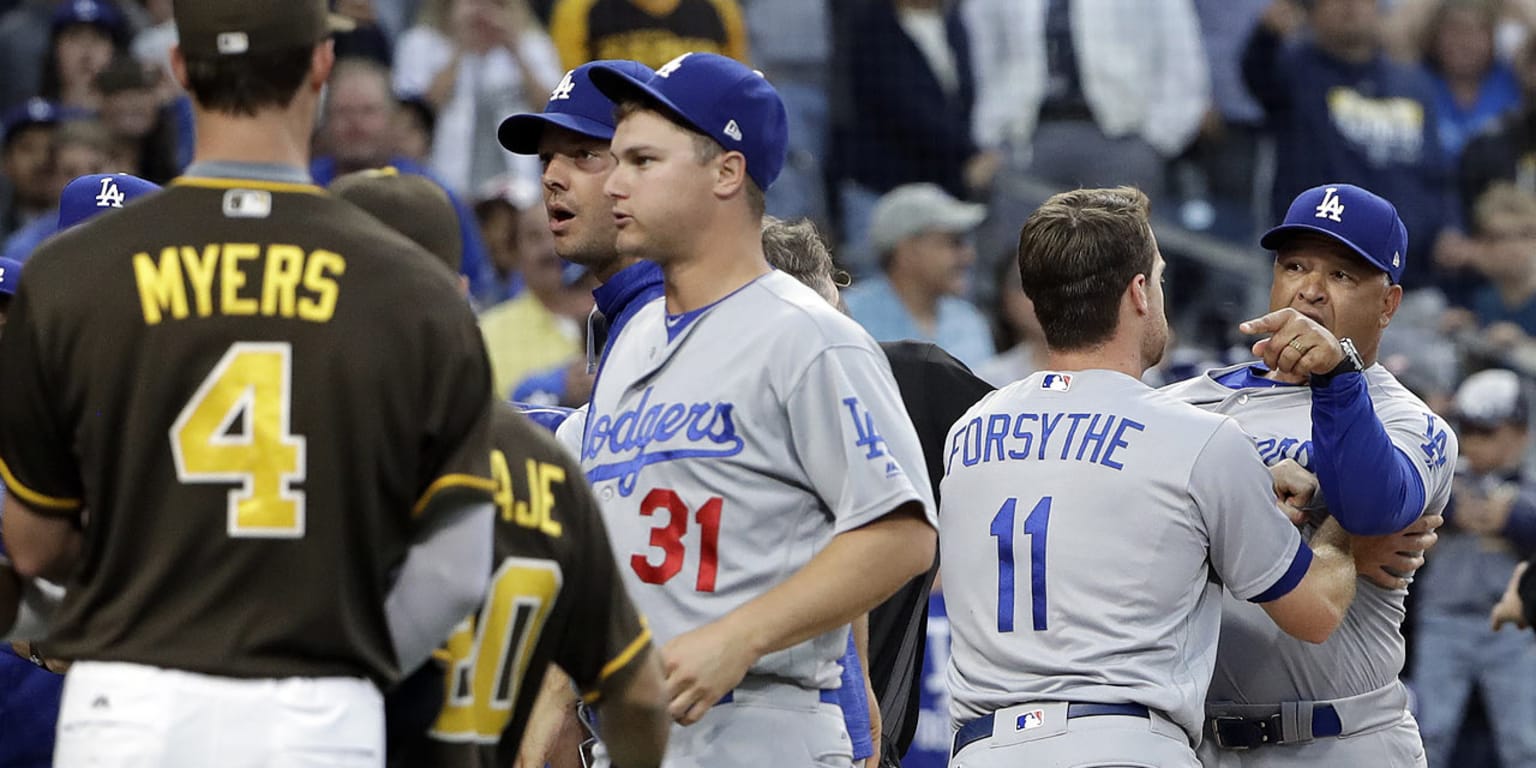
(252, 385)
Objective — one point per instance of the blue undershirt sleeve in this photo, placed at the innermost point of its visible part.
(1372, 487)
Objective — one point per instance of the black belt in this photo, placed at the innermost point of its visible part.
(981, 727)
(825, 696)
(1236, 732)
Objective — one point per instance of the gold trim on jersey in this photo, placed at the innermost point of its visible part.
(270, 186)
(33, 498)
(450, 481)
(620, 661)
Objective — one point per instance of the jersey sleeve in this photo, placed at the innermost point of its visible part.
(1430, 445)
(854, 439)
(37, 462)
(457, 441)
(1253, 547)
(605, 635)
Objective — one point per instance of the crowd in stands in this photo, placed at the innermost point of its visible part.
(922, 133)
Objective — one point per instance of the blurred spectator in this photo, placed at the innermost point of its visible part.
(1020, 340)
(357, 133)
(912, 92)
(1089, 92)
(650, 32)
(1506, 149)
(413, 125)
(27, 191)
(1506, 219)
(152, 45)
(80, 148)
(922, 237)
(498, 210)
(1455, 41)
(86, 36)
(396, 16)
(367, 40)
(143, 128)
(792, 45)
(1342, 111)
(542, 327)
(23, 46)
(1490, 527)
(475, 62)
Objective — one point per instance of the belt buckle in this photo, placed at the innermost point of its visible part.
(1238, 734)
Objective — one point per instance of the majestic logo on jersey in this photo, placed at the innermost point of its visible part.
(1030, 720)
(1330, 208)
(1056, 382)
(563, 90)
(651, 433)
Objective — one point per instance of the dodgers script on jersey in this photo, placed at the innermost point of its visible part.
(1258, 663)
(729, 445)
(1083, 515)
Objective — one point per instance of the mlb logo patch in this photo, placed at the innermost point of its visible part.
(1030, 720)
(1057, 382)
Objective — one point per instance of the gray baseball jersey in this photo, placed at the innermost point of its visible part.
(1088, 523)
(728, 445)
(1256, 662)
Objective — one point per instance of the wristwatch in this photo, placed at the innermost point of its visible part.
(1350, 364)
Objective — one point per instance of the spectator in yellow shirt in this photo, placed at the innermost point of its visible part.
(652, 32)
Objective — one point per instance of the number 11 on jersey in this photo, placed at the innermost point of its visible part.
(1034, 529)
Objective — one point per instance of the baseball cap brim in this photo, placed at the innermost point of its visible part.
(1273, 238)
(521, 134)
(620, 86)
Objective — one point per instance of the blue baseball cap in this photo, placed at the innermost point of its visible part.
(575, 105)
(1363, 221)
(10, 275)
(86, 196)
(93, 12)
(720, 98)
(33, 111)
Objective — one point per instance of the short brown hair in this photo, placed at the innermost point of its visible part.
(1077, 253)
(797, 249)
(245, 85)
(705, 148)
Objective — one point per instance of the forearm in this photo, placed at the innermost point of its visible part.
(441, 581)
(441, 89)
(634, 721)
(853, 574)
(1333, 563)
(39, 545)
(1349, 443)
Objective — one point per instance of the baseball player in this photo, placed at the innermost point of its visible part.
(1382, 459)
(742, 410)
(555, 594)
(1088, 523)
(277, 416)
(571, 137)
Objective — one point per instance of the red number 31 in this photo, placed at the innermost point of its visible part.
(668, 537)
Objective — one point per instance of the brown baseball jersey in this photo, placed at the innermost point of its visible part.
(555, 596)
(251, 396)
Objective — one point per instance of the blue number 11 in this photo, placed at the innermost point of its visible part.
(1034, 528)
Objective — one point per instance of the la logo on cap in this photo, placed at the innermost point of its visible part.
(1330, 208)
(109, 196)
(563, 90)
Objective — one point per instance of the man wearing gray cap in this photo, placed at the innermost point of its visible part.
(921, 235)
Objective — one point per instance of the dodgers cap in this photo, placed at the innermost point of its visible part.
(575, 105)
(10, 275)
(95, 13)
(86, 196)
(719, 97)
(1361, 220)
(213, 28)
